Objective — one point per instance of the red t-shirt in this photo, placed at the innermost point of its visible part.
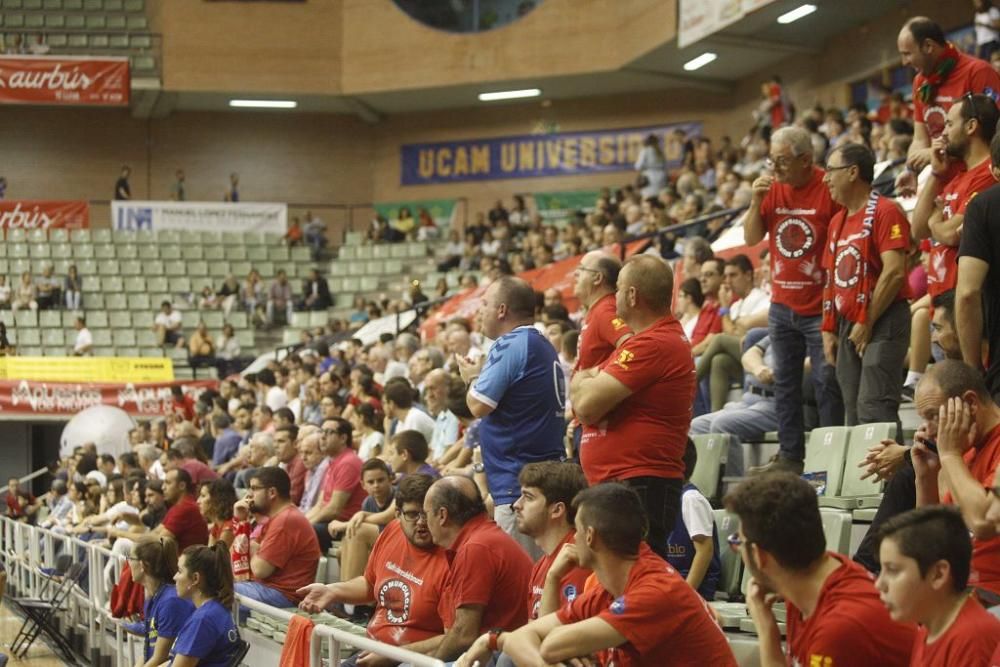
(777, 108)
(850, 625)
(709, 322)
(344, 474)
(600, 331)
(297, 474)
(982, 462)
(487, 568)
(970, 641)
(955, 196)
(219, 528)
(185, 523)
(15, 508)
(200, 472)
(407, 583)
(664, 620)
(570, 586)
(853, 258)
(970, 74)
(796, 220)
(290, 545)
(645, 435)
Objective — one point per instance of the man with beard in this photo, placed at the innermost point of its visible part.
(286, 559)
(404, 577)
(835, 615)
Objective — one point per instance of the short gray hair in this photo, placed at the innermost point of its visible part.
(265, 441)
(146, 452)
(796, 138)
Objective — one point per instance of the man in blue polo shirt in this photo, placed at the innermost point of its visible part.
(519, 392)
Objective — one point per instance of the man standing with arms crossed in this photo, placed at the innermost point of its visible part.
(519, 393)
(793, 209)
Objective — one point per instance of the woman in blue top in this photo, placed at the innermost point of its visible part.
(153, 566)
(209, 638)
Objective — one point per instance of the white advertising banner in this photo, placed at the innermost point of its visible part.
(200, 216)
(698, 19)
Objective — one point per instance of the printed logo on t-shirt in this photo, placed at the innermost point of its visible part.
(624, 358)
(618, 606)
(569, 592)
(395, 597)
(895, 232)
(934, 120)
(847, 267)
(617, 323)
(794, 238)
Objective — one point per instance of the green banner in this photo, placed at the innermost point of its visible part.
(441, 210)
(561, 204)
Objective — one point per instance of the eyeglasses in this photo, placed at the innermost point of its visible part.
(780, 161)
(331, 431)
(413, 515)
(846, 166)
(258, 488)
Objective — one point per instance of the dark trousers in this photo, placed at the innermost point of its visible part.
(661, 500)
(900, 496)
(792, 337)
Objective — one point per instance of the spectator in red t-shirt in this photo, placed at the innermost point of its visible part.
(21, 505)
(183, 521)
(866, 317)
(925, 556)
(834, 614)
(341, 493)
(642, 612)
(406, 611)
(710, 320)
(602, 331)
(180, 456)
(285, 561)
(489, 570)
(636, 408)
(289, 459)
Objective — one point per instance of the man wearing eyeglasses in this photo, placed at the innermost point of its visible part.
(405, 577)
(286, 559)
(341, 493)
(793, 208)
(961, 167)
(866, 316)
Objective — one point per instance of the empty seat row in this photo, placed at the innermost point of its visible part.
(366, 268)
(201, 271)
(129, 6)
(77, 22)
(185, 237)
(384, 251)
(217, 252)
(141, 319)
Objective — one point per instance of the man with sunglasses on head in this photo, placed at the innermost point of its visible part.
(961, 168)
(834, 614)
(792, 208)
(866, 317)
(405, 577)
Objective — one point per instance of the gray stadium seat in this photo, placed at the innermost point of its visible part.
(826, 452)
(732, 564)
(856, 492)
(837, 530)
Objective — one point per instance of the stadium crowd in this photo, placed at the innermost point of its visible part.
(517, 488)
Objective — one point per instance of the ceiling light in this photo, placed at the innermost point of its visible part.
(700, 61)
(509, 94)
(263, 104)
(796, 14)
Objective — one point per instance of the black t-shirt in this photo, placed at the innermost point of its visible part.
(981, 239)
(121, 185)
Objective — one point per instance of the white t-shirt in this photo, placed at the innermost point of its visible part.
(276, 398)
(418, 420)
(83, 341)
(984, 33)
(753, 303)
(171, 321)
(697, 514)
(368, 445)
(119, 510)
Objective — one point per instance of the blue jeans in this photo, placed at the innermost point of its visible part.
(262, 593)
(792, 337)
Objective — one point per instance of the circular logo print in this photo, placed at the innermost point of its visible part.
(395, 597)
(847, 267)
(794, 238)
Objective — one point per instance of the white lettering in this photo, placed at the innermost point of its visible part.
(18, 218)
(54, 79)
(392, 567)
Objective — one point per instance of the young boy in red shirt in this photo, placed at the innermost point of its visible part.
(926, 555)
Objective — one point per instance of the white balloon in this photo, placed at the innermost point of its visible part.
(104, 425)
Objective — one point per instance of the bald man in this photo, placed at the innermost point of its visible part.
(484, 590)
(602, 330)
(519, 393)
(636, 407)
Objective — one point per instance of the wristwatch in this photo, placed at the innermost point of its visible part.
(478, 467)
(494, 635)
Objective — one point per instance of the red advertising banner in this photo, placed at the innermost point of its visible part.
(22, 214)
(64, 80)
(558, 275)
(23, 398)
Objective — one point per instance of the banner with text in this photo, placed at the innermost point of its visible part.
(23, 214)
(200, 216)
(31, 397)
(64, 80)
(88, 369)
(534, 156)
(698, 19)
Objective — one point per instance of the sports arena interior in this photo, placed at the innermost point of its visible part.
(499, 332)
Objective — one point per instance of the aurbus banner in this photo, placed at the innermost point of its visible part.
(23, 214)
(64, 80)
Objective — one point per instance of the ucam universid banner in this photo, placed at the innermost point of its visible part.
(537, 155)
(199, 216)
(23, 214)
(64, 80)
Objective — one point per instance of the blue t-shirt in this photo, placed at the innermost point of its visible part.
(524, 384)
(680, 550)
(209, 635)
(226, 446)
(165, 614)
